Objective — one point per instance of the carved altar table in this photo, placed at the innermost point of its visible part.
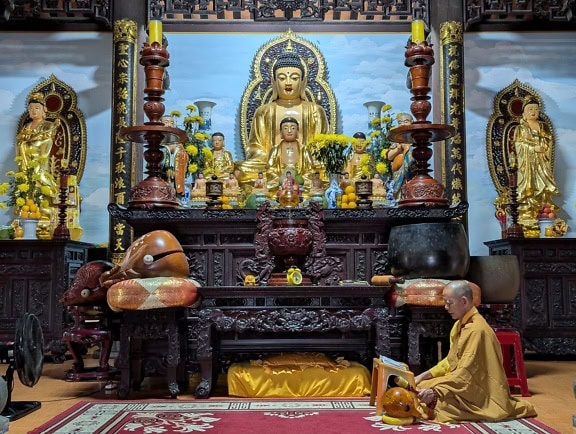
(545, 308)
(216, 242)
(239, 322)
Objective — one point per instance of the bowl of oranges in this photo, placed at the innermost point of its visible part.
(30, 210)
(349, 198)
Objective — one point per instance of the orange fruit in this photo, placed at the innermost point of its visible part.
(352, 205)
(352, 197)
(25, 209)
(29, 202)
(349, 189)
(344, 198)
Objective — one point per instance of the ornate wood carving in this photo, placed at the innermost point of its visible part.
(544, 310)
(392, 12)
(144, 327)
(527, 15)
(224, 239)
(35, 274)
(232, 322)
(98, 13)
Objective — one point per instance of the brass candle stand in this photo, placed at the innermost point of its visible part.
(153, 191)
(422, 189)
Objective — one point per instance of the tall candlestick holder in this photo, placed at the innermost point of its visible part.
(62, 232)
(422, 189)
(153, 191)
(515, 229)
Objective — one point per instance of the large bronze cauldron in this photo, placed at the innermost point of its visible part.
(498, 277)
(437, 250)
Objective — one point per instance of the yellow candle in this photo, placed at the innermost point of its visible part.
(417, 31)
(155, 32)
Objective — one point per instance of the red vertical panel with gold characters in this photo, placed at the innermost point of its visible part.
(123, 114)
(452, 79)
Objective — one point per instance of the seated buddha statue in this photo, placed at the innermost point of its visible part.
(359, 159)
(288, 100)
(289, 155)
(222, 161)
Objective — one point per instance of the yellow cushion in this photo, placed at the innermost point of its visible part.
(250, 381)
(289, 362)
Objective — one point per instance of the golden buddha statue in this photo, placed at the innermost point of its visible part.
(34, 141)
(288, 100)
(289, 155)
(222, 161)
(359, 159)
(34, 144)
(534, 152)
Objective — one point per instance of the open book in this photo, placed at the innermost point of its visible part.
(391, 362)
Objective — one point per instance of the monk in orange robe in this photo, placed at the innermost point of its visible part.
(470, 384)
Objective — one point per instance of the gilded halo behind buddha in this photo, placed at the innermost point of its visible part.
(259, 90)
(288, 80)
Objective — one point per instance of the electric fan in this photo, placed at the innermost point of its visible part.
(25, 356)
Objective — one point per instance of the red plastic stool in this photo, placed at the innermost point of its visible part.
(513, 361)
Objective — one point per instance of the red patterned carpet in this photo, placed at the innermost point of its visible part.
(242, 416)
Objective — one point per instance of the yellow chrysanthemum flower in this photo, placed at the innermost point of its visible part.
(201, 136)
(194, 119)
(192, 150)
(20, 201)
(175, 113)
(192, 168)
(192, 108)
(375, 122)
(381, 168)
(23, 188)
(20, 176)
(46, 190)
(207, 153)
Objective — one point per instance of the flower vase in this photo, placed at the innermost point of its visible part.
(333, 192)
(29, 226)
